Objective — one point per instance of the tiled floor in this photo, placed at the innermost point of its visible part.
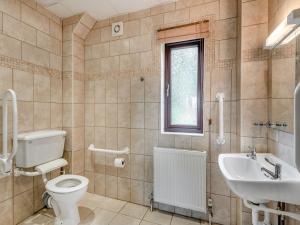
(98, 210)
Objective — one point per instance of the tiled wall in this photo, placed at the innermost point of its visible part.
(75, 30)
(31, 64)
(121, 109)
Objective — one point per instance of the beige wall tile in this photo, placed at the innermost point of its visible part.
(55, 30)
(35, 55)
(140, 43)
(56, 115)
(6, 187)
(137, 166)
(34, 18)
(55, 62)
(110, 65)
(177, 16)
(221, 209)
(151, 115)
(252, 111)
(124, 115)
(254, 12)
(78, 115)
(228, 49)
(111, 189)
(250, 41)
(228, 9)
(41, 88)
(10, 47)
(226, 29)
(199, 12)
(137, 90)
(123, 90)
(56, 90)
(100, 113)
(94, 36)
(119, 47)
(23, 85)
(89, 91)
(89, 115)
(111, 115)
(41, 115)
(152, 89)
(100, 137)
(149, 24)
(22, 184)
(11, 7)
(151, 140)
(111, 138)
(137, 141)
(5, 79)
(137, 191)
(131, 28)
(137, 115)
(25, 118)
(254, 78)
(162, 8)
(124, 189)
(6, 212)
(111, 89)
(48, 43)
(99, 184)
(18, 30)
(23, 206)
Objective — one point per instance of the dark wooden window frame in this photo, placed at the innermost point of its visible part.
(168, 127)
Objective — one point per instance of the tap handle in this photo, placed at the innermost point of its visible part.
(269, 161)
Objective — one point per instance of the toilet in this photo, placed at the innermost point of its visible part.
(43, 150)
(66, 191)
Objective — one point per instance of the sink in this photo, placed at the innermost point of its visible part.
(244, 177)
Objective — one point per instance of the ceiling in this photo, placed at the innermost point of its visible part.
(99, 9)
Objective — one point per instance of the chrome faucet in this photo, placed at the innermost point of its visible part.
(252, 153)
(277, 173)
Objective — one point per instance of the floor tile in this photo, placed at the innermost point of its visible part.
(180, 220)
(134, 210)
(112, 204)
(91, 201)
(37, 219)
(99, 216)
(125, 220)
(147, 223)
(84, 212)
(158, 217)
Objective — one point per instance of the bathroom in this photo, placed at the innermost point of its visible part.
(94, 72)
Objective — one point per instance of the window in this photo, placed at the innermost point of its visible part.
(183, 103)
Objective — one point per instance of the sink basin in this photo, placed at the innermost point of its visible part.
(244, 177)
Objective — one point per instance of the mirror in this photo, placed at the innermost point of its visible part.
(284, 76)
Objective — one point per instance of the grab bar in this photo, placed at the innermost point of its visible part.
(6, 158)
(123, 151)
(221, 139)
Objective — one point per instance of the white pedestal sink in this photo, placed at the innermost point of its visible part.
(245, 178)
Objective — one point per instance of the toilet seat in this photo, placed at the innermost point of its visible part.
(66, 184)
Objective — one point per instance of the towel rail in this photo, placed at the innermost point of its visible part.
(117, 152)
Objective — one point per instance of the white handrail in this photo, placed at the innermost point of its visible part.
(221, 139)
(6, 159)
(123, 151)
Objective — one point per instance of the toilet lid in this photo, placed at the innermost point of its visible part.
(66, 183)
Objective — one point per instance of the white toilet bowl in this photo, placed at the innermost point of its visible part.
(66, 191)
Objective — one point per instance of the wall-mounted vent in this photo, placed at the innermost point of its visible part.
(117, 29)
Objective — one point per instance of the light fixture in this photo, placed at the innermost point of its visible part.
(286, 31)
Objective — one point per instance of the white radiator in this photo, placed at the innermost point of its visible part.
(180, 178)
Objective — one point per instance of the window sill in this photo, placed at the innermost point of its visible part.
(186, 134)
